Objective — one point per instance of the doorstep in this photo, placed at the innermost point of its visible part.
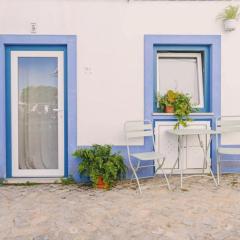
(31, 180)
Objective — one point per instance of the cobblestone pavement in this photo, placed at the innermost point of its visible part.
(58, 212)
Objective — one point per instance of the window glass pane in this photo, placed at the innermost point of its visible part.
(181, 74)
(37, 120)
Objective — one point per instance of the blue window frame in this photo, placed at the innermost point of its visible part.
(212, 44)
(205, 52)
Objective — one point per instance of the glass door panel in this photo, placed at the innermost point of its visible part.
(37, 101)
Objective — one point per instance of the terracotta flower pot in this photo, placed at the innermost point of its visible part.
(101, 184)
(169, 109)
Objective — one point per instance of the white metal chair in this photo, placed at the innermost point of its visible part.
(139, 130)
(226, 125)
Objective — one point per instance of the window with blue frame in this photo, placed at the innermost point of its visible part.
(185, 69)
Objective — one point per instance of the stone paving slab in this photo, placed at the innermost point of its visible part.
(58, 212)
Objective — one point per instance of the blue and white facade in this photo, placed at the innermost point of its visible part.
(109, 67)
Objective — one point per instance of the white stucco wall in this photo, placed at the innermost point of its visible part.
(110, 51)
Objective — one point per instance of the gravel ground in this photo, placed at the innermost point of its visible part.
(73, 212)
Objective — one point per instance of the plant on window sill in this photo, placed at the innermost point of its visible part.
(230, 16)
(180, 104)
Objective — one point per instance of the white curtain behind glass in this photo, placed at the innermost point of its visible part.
(179, 74)
(37, 120)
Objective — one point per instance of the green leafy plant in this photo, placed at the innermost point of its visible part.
(168, 99)
(182, 106)
(1, 182)
(68, 181)
(230, 13)
(182, 109)
(99, 161)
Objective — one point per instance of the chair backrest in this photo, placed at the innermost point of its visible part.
(138, 130)
(228, 125)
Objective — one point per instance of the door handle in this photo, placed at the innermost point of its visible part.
(57, 110)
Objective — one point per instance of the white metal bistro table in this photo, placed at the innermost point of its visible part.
(181, 133)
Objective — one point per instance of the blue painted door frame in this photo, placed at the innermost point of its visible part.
(8, 50)
(45, 42)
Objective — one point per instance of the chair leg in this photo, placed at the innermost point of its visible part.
(169, 187)
(159, 164)
(135, 170)
(135, 174)
(165, 176)
(218, 169)
(174, 165)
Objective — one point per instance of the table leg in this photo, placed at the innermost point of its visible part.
(213, 177)
(205, 153)
(181, 159)
(177, 160)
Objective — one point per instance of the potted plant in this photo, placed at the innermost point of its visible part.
(181, 104)
(230, 16)
(167, 101)
(102, 166)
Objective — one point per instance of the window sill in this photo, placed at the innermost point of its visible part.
(192, 114)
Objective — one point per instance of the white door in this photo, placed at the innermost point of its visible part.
(37, 113)
(167, 144)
